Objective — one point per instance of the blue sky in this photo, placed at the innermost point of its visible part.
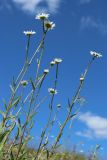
(81, 26)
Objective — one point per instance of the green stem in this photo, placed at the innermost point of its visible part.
(70, 108)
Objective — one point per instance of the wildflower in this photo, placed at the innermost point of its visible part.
(82, 78)
(49, 25)
(52, 63)
(58, 106)
(24, 83)
(95, 54)
(52, 91)
(57, 60)
(46, 71)
(42, 16)
(29, 33)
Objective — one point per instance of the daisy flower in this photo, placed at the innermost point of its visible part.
(29, 33)
(49, 25)
(95, 54)
(52, 63)
(52, 91)
(42, 16)
(24, 83)
(46, 71)
(57, 60)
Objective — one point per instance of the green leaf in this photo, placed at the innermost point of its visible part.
(11, 156)
(5, 105)
(98, 146)
(15, 103)
(71, 116)
(2, 113)
(32, 83)
(12, 89)
(3, 137)
(32, 115)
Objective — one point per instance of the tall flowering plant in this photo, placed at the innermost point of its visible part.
(15, 133)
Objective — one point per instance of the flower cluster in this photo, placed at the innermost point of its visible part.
(48, 25)
(56, 61)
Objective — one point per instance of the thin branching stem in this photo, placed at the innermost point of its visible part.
(70, 109)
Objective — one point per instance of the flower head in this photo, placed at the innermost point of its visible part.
(24, 83)
(95, 54)
(52, 91)
(52, 63)
(58, 106)
(29, 33)
(46, 71)
(57, 60)
(81, 79)
(42, 16)
(49, 25)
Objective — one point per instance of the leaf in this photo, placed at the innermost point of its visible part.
(12, 89)
(32, 115)
(98, 146)
(15, 103)
(3, 137)
(32, 83)
(19, 129)
(11, 156)
(2, 113)
(69, 104)
(5, 105)
(71, 116)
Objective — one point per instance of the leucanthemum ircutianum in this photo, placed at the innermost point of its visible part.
(46, 71)
(49, 25)
(42, 16)
(29, 33)
(52, 91)
(95, 54)
(57, 60)
(24, 83)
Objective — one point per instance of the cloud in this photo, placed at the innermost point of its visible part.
(96, 126)
(34, 6)
(88, 22)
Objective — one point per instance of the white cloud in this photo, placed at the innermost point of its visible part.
(96, 126)
(34, 6)
(88, 22)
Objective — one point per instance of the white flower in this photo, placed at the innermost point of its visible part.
(46, 71)
(81, 78)
(52, 91)
(58, 106)
(42, 16)
(95, 54)
(49, 25)
(29, 33)
(52, 63)
(57, 60)
(24, 83)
